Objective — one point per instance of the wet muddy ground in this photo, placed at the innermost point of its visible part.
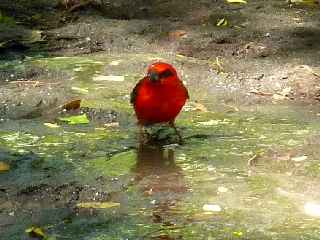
(249, 164)
(240, 174)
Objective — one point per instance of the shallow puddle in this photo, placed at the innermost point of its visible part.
(248, 174)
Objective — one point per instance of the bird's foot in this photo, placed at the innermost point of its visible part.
(180, 139)
(144, 135)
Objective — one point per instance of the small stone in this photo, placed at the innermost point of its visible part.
(222, 189)
(114, 63)
(211, 208)
(299, 158)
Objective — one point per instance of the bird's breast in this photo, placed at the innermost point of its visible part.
(159, 103)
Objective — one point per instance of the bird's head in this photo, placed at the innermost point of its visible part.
(160, 71)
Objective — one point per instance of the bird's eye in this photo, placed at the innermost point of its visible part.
(166, 73)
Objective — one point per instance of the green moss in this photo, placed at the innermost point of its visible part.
(6, 20)
(117, 165)
(313, 169)
(261, 185)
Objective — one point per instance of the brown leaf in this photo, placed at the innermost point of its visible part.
(200, 107)
(278, 97)
(4, 167)
(176, 35)
(72, 105)
(260, 93)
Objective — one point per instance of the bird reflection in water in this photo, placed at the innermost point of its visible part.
(162, 180)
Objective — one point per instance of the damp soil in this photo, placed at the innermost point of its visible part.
(248, 166)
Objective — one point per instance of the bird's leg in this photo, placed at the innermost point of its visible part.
(143, 134)
(171, 124)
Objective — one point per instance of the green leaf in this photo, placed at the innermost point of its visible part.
(36, 232)
(33, 37)
(300, 1)
(306, 2)
(6, 20)
(79, 119)
(238, 233)
(222, 22)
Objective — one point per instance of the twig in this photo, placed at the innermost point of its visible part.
(34, 83)
(162, 229)
(261, 93)
(6, 224)
(253, 160)
(316, 74)
(81, 4)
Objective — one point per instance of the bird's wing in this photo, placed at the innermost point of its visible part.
(134, 93)
(185, 90)
(187, 93)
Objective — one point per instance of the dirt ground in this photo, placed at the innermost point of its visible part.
(261, 49)
(258, 168)
(267, 52)
(268, 48)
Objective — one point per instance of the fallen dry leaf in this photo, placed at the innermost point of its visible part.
(4, 167)
(286, 91)
(222, 189)
(36, 232)
(199, 107)
(114, 63)
(51, 125)
(237, 1)
(97, 205)
(211, 122)
(211, 208)
(176, 35)
(80, 90)
(260, 93)
(306, 2)
(253, 160)
(72, 105)
(108, 78)
(112, 124)
(312, 209)
(299, 158)
(232, 108)
(279, 97)
(204, 216)
(218, 65)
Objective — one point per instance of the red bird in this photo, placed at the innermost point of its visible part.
(159, 96)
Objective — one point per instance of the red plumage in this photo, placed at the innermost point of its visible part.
(159, 96)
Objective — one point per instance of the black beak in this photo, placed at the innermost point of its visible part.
(154, 77)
